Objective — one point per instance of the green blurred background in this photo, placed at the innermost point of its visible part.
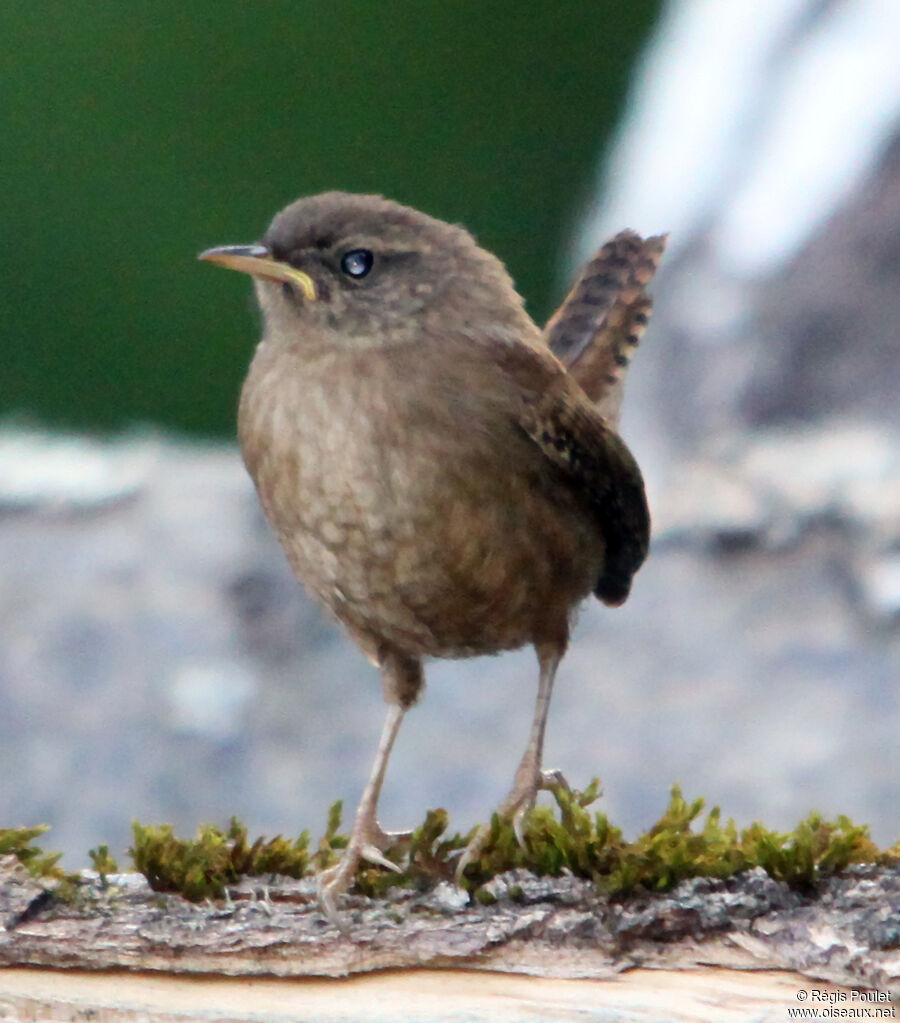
(136, 134)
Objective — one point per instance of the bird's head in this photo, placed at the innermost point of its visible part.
(364, 270)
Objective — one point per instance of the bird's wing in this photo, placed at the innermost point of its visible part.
(595, 331)
(570, 432)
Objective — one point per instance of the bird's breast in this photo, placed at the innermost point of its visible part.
(415, 512)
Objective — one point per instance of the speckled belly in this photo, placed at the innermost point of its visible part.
(437, 566)
(437, 547)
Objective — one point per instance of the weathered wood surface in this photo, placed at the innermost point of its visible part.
(556, 929)
(427, 996)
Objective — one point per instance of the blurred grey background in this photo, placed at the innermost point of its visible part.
(158, 661)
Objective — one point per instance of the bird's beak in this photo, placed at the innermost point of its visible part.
(257, 261)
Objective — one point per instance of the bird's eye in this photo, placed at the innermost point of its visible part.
(357, 263)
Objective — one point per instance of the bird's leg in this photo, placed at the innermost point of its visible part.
(366, 838)
(530, 778)
(402, 681)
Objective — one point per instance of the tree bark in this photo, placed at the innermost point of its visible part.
(682, 950)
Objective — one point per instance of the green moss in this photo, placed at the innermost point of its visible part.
(332, 842)
(814, 848)
(678, 846)
(19, 842)
(201, 868)
(102, 862)
(566, 836)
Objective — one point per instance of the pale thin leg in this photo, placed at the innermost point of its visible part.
(366, 838)
(402, 681)
(529, 778)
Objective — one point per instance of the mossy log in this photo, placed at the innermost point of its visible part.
(684, 954)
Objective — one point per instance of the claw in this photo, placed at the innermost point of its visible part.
(553, 780)
(471, 851)
(384, 840)
(371, 854)
(518, 824)
(517, 804)
(334, 882)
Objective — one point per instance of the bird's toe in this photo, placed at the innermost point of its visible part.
(372, 854)
(553, 780)
(471, 852)
(333, 882)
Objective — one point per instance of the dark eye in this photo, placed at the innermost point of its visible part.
(357, 262)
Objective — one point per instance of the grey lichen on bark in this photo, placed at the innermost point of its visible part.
(846, 931)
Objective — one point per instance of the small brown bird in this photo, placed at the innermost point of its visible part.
(438, 479)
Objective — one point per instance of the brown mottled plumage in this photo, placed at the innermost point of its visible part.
(436, 477)
(595, 332)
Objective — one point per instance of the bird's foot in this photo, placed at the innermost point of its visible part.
(369, 842)
(383, 840)
(529, 781)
